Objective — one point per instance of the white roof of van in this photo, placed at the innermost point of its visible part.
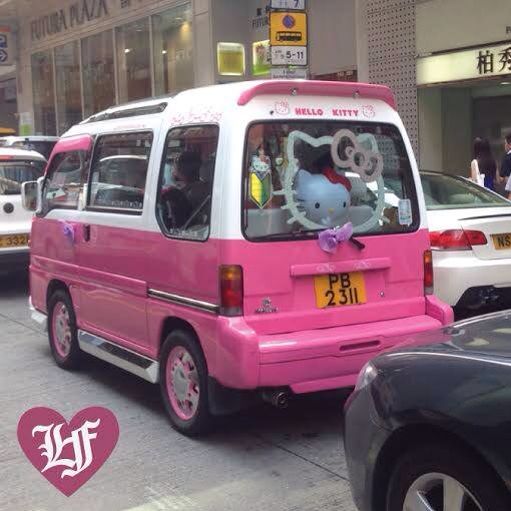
(11, 153)
(220, 97)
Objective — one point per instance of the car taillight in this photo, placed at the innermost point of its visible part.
(456, 239)
(231, 290)
(476, 238)
(428, 272)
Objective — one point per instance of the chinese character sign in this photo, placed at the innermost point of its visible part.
(486, 61)
(505, 59)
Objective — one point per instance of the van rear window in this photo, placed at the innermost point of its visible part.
(304, 177)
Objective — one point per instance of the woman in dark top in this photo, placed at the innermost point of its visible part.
(484, 163)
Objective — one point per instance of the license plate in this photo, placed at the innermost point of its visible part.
(502, 241)
(340, 289)
(13, 240)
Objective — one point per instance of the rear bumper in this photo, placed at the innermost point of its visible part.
(457, 272)
(315, 360)
(330, 358)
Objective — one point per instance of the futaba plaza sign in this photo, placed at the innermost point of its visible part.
(60, 20)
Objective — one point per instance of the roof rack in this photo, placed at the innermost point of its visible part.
(128, 112)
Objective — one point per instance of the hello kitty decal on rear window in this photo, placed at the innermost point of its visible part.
(308, 176)
(323, 200)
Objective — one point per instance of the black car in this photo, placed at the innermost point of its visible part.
(428, 427)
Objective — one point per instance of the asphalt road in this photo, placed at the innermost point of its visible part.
(263, 459)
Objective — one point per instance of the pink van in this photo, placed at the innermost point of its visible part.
(252, 238)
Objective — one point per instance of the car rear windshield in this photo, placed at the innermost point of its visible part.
(303, 177)
(450, 192)
(42, 147)
(13, 173)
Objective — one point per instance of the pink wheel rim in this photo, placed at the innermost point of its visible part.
(61, 330)
(182, 380)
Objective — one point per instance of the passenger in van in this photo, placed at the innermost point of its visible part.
(187, 172)
(178, 208)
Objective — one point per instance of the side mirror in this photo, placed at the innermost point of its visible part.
(31, 195)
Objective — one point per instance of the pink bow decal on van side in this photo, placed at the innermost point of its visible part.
(329, 239)
(68, 230)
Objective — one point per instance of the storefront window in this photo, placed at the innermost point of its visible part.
(43, 91)
(8, 107)
(67, 73)
(98, 72)
(133, 60)
(173, 48)
(230, 59)
(261, 62)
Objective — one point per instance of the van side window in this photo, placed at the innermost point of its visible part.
(64, 180)
(118, 172)
(186, 182)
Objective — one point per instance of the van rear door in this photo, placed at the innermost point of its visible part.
(331, 214)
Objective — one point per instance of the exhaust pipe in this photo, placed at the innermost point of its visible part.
(279, 398)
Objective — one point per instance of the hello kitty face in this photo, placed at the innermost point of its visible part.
(368, 111)
(324, 200)
(282, 107)
(260, 165)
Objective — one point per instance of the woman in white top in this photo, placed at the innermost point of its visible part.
(483, 168)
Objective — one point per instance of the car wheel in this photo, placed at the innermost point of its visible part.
(62, 331)
(183, 382)
(444, 478)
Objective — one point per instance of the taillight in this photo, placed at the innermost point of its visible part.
(476, 238)
(456, 239)
(231, 290)
(428, 272)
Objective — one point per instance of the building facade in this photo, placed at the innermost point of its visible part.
(76, 57)
(449, 64)
(447, 61)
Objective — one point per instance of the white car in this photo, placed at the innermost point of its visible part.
(16, 166)
(470, 231)
(41, 144)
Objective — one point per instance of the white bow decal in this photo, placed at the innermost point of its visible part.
(366, 163)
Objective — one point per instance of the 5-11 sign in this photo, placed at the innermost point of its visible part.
(289, 55)
(288, 4)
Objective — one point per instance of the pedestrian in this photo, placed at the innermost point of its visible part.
(505, 167)
(483, 168)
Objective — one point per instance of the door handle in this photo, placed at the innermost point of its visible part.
(86, 233)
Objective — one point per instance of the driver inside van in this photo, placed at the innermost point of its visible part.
(189, 195)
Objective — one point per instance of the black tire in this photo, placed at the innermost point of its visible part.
(201, 421)
(452, 461)
(72, 359)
